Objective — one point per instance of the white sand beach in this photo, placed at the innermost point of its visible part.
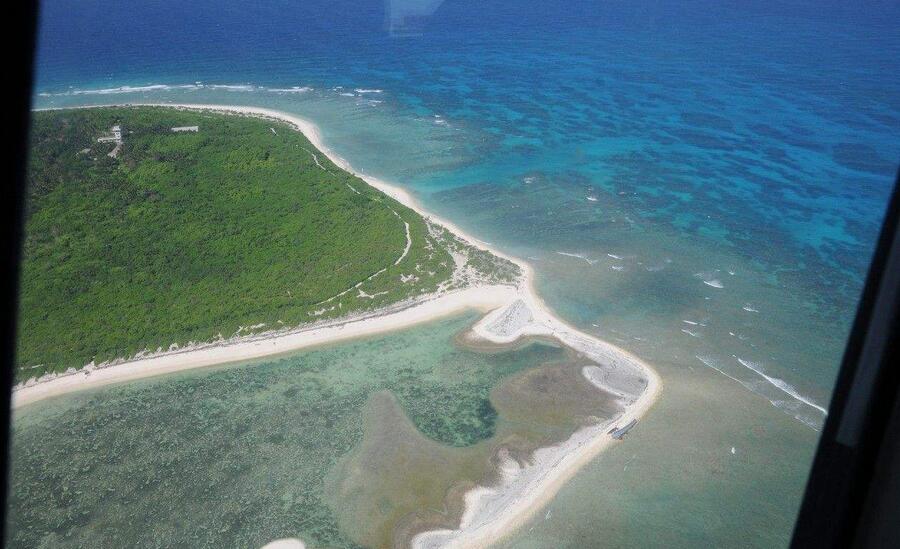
(492, 512)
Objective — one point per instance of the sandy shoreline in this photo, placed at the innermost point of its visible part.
(263, 345)
(491, 512)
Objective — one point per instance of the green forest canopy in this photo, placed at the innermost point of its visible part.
(189, 236)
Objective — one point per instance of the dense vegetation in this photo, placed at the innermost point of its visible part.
(193, 236)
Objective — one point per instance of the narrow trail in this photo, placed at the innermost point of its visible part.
(370, 277)
(319, 164)
(408, 239)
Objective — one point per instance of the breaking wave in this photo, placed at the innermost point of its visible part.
(175, 87)
(782, 385)
(579, 256)
(771, 388)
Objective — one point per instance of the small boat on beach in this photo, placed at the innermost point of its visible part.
(620, 432)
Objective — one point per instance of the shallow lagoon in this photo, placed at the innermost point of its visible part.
(335, 445)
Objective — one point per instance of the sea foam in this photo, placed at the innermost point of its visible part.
(799, 407)
(293, 89)
(149, 88)
(579, 256)
(782, 385)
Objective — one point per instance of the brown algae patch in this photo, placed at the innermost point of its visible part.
(396, 471)
(398, 482)
(545, 405)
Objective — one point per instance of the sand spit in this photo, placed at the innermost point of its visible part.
(491, 512)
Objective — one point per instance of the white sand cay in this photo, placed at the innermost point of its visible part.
(490, 512)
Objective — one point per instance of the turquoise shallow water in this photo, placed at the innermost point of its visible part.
(715, 173)
(239, 455)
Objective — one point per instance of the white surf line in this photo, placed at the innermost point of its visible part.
(579, 256)
(749, 386)
(782, 385)
(707, 361)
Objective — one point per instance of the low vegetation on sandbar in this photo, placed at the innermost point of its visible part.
(193, 227)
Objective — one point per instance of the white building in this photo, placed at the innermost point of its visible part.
(116, 136)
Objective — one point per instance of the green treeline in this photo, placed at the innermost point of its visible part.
(187, 236)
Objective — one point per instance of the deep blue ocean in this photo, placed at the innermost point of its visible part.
(700, 182)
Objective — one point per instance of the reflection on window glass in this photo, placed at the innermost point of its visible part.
(426, 274)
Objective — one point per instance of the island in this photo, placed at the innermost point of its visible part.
(165, 238)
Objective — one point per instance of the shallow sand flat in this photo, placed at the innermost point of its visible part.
(490, 513)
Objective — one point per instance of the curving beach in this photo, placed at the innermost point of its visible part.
(513, 312)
